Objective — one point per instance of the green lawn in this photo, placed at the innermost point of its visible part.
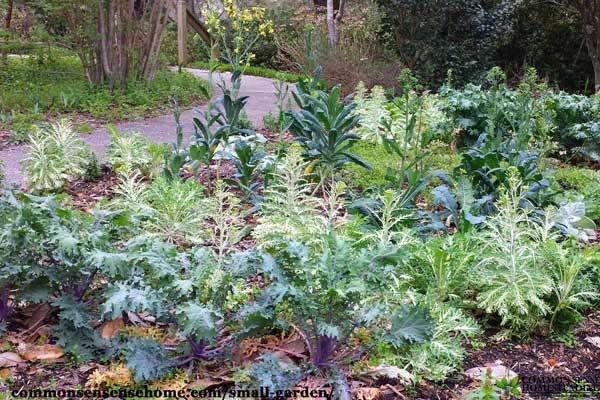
(32, 91)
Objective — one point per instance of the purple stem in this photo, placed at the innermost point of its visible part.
(199, 351)
(326, 347)
(5, 307)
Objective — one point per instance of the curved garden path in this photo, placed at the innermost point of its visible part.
(261, 101)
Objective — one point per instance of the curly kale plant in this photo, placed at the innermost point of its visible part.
(328, 297)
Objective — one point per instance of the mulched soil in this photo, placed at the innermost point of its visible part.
(86, 193)
(537, 362)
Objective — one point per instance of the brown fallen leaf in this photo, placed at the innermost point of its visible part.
(4, 372)
(40, 313)
(10, 359)
(367, 393)
(594, 340)
(44, 352)
(109, 329)
(205, 383)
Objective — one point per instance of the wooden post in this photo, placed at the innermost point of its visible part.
(182, 31)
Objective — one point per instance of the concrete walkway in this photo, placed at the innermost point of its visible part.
(261, 101)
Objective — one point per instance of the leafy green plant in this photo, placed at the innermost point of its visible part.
(577, 182)
(247, 160)
(228, 227)
(498, 110)
(572, 288)
(49, 253)
(53, 156)
(128, 152)
(375, 110)
(60, 87)
(279, 122)
(323, 128)
(289, 211)
(490, 390)
(439, 357)
(440, 267)
(487, 164)
(209, 134)
(321, 295)
(461, 207)
(173, 211)
(574, 123)
(388, 219)
(516, 283)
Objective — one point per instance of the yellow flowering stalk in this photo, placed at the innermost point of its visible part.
(238, 31)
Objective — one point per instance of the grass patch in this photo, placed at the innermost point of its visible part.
(32, 91)
(375, 154)
(253, 70)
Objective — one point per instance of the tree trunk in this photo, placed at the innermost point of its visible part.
(7, 20)
(8, 17)
(334, 21)
(596, 64)
(589, 11)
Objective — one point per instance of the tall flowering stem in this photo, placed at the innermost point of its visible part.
(236, 30)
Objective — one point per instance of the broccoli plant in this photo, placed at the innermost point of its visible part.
(328, 296)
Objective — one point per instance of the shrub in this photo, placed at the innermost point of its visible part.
(433, 37)
(55, 155)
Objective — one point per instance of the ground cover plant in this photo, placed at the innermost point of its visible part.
(33, 90)
(383, 245)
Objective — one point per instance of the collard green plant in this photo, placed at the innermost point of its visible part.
(575, 123)
(323, 127)
(487, 164)
(461, 207)
(498, 110)
(54, 155)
